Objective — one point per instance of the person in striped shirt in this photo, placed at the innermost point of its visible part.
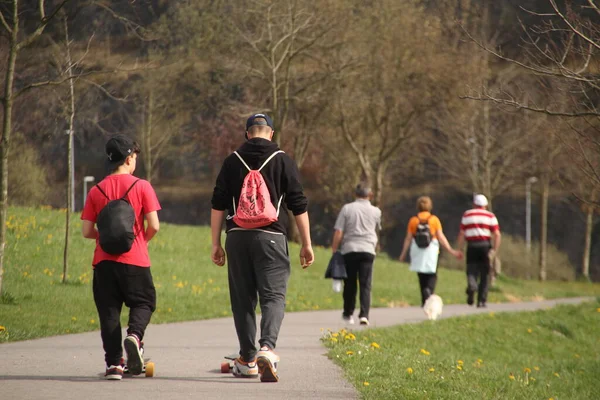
(479, 227)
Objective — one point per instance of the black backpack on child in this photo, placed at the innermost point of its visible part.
(423, 234)
(115, 224)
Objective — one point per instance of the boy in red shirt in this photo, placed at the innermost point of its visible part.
(123, 278)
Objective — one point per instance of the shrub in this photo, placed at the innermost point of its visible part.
(27, 178)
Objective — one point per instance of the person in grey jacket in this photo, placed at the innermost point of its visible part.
(355, 235)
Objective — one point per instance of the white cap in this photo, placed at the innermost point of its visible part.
(480, 200)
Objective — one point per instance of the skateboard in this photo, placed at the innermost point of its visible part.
(147, 369)
(227, 366)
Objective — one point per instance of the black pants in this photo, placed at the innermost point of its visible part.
(116, 284)
(359, 266)
(259, 268)
(478, 267)
(427, 283)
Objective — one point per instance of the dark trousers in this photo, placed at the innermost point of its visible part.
(478, 267)
(258, 270)
(427, 283)
(116, 284)
(359, 266)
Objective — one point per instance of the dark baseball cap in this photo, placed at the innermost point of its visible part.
(259, 119)
(119, 147)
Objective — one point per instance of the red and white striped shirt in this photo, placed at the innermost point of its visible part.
(478, 224)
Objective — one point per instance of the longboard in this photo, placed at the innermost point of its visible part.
(147, 369)
(227, 366)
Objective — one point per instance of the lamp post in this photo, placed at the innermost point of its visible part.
(86, 179)
(528, 183)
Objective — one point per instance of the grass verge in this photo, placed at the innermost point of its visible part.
(189, 287)
(550, 354)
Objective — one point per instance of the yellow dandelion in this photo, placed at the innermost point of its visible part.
(92, 321)
(460, 362)
(598, 309)
(527, 370)
(73, 319)
(431, 369)
(334, 340)
(349, 352)
(459, 367)
(480, 361)
(2, 328)
(375, 345)
(335, 334)
(556, 375)
(409, 370)
(365, 383)
(511, 377)
(179, 285)
(529, 330)
(536, 368)
(423, 351)
(169, 309)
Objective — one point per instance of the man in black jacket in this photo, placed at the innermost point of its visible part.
(259, 263)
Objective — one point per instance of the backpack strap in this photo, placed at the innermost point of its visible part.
(269, 159)
(242, 160)
(263, 165)
(426, 221)
(102, 191)
(130, 187)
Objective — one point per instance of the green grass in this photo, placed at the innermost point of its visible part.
(189, 287)
(535, 355)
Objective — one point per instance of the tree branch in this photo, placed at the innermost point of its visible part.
(5, 24)
(44, 20)
(516, 104)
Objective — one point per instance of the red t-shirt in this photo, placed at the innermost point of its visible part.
(143, 200)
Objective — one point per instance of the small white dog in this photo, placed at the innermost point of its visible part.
(433, 307)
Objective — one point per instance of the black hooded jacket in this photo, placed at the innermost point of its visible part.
(280, 174)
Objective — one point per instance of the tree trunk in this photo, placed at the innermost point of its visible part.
(147, 136)
(544, 226)
(6, 131)
(70, 151)
(589, 224)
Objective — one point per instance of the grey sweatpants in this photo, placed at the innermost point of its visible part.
(259, 269)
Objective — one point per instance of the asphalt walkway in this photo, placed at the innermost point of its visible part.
(188, 356)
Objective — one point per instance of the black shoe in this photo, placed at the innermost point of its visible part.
(481, 305)
(470, 298)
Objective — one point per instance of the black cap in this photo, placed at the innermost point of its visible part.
(259, 119)
(118, 148)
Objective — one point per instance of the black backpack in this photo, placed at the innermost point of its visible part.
(423, 234)
(115, 224)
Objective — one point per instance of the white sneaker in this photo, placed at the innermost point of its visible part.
(114, 373)
(242, 369)
(267, 365)
(349, 320)
(363, 321)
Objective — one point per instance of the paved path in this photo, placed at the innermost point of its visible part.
(188, 356)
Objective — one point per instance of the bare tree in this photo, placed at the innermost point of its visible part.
(561, 51)
(71, 132)
(280, 37)
(12, 25)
